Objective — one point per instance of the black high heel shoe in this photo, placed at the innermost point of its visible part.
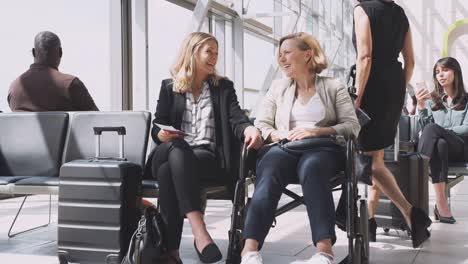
(419, 224)
(210, 254)
(443, 219)
(372, 230)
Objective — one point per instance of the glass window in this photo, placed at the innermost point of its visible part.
(89, 36)
(258, 56)
(164, 42)
(254, 7)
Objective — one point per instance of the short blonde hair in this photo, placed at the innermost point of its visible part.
(318, 62)
(183, 70)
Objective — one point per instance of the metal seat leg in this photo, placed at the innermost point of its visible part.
(10, 234)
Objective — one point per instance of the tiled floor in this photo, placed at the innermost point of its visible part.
(288, 241)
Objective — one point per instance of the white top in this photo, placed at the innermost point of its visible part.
(307, 115)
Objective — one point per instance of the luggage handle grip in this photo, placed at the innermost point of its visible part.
(121, 131)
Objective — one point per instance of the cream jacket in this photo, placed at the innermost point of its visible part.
(275, 111)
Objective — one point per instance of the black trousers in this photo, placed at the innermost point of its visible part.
(180, 170)
(441, 146)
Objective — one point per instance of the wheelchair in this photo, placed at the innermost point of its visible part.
(356, 208)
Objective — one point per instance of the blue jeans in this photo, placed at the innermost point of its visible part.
(275, 170)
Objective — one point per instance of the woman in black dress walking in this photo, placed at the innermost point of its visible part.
(381, 32)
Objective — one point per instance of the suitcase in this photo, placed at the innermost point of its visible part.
(411, 172)
(98, 208)
(409, 129)
(408, 134)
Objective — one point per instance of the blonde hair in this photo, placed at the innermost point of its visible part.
(184, 68)
(318, 62)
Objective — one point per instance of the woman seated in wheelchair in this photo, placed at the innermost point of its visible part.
(304, 105)
(203, 107)
(444, 120)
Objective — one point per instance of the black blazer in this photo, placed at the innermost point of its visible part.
(230, 121)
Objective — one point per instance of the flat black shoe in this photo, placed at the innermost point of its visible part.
(210, 254)
(419, 224)
(372, 230)
(443, 219)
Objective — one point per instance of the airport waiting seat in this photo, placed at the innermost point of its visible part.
(31, 148)
(457, 172)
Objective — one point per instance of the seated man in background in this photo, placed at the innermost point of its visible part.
(43, 87)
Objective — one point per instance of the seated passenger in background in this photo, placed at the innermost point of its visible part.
(43, 87)
(202, 104)
(304, 105)
(444, 120)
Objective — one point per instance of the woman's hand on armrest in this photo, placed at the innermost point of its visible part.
(253, 138)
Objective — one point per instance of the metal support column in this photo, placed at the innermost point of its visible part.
(127, 55)
(140, 79)
(238, 39)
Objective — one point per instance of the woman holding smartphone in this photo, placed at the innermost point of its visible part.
(203, 108)
(444, 121)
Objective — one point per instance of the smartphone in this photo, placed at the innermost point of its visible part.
(421, 85)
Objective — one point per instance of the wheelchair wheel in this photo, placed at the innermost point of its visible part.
(357, 250)
(237, 241)
(364, 232)
(236, 252)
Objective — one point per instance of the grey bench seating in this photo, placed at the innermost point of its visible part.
(33, 146)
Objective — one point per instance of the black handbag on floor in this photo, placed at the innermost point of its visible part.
(148, 243)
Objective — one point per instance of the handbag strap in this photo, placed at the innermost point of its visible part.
(134, 245)
(352, 77)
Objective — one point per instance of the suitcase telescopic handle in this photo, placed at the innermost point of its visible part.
(121, 131)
